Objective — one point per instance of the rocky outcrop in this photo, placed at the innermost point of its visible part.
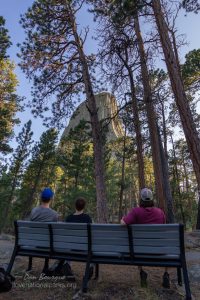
(107, 111)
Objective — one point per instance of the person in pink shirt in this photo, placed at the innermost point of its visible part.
(147, 213)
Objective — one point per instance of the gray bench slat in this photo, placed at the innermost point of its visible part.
(39, 237)
(109, 234)
(25, 242)
(110, 241)
(71, 252)
(69, 226)
(108, 227)
(33, 230)
(110, 248)
(70, 239)
(81, 233)
(31, 224)
(156, 235)
(155, 227)
(162, 256)
(156, 242)
(44, 249)
(156, 250)
(71, 246)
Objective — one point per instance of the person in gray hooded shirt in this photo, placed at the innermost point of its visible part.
(43, 213)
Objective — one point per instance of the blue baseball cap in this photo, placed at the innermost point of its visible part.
(47, 193)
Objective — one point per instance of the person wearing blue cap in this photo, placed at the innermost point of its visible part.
(43, 212)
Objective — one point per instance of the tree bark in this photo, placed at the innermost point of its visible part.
(182, 103)
(154, 138)
(137, 127)
(121, 193)
(102, 213)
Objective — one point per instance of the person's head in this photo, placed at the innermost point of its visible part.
(47, 195)
(80, 204)
(146, 198)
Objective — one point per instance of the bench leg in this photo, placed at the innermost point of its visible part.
(9, 268)
(46, 265)
(30, 263)
(186, 282)
(96, 271)
(179, 275)
(86, 278)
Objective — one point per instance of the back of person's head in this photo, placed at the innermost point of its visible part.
(47, 195)
(80, 203)
(146, 198)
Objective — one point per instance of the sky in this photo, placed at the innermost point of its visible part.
(11, 11)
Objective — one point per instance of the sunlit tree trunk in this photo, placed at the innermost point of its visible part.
(102, 213)
(154, 138)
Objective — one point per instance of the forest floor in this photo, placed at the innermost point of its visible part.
(115, 282)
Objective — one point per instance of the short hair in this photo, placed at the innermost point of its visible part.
(80, 203)
(144, 204)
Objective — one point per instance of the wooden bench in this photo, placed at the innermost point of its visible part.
(139, 245)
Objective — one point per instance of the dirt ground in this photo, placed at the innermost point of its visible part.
(115, 282)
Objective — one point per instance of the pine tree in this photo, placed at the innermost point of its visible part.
(18, 163)
(4, 39)
(53, 56)
(40, 172)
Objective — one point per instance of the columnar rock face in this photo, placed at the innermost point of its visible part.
(107, 111)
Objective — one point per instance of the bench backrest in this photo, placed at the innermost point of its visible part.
(103, 239)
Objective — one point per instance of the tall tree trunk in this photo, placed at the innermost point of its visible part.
(139, 150)
(136, 121)
(177, 182)
(166, 183)
(182, 103)
(102, 213)
(5, 215)
(121, 193)
(154, 138)
(29, 201)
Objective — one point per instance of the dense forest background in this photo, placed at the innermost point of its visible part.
(159, 109)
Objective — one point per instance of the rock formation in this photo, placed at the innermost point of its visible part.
(107, 111)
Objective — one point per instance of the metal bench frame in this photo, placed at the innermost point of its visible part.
(89, 257)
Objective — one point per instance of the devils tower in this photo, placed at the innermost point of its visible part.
(107, 111)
